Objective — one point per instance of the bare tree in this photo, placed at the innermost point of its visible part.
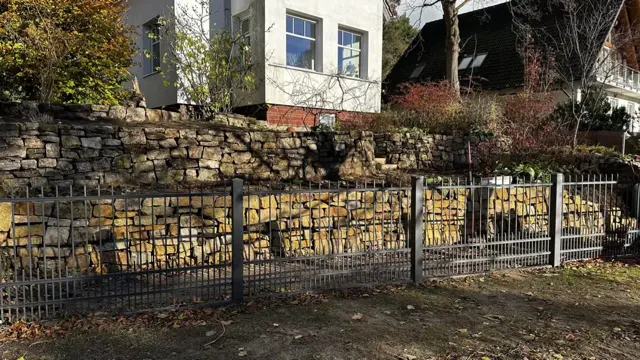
(211, 69)
(571, 35)
(450, 10)
(391, 8)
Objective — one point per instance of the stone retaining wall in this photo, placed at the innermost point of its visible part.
(419, 151)
(99, 153)
(34, 154)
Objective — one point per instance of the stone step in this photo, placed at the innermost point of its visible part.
(380, 161)
(388, 167)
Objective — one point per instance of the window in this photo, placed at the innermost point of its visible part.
(328, 120)
(349, 53)
(418, 70)
(151, 43)
(465, 62)
(301, 43)
(244, 31)
(613, 102)
(470, 62)
(478, 60)
(631, 108)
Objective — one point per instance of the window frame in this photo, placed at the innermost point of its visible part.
(151, 64)
(469, 61)
(417, 71)
(482, 57)
(241, 22)
(314, 40)
(359, 50)
(245, 36)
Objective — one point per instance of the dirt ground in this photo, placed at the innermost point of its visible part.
(588, 311)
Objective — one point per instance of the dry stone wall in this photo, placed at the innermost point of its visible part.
(67, 238)
(115, 235)
(35, 155)
(523, 212)
(413, 151)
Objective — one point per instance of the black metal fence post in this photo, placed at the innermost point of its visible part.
(237, 226)
(417, 228)
(555, 219)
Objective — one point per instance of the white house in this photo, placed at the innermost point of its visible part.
(314, 59)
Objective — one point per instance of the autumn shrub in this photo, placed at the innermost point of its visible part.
(526, 131)
(527, 123)
(481, 114)
(385, 121)
(433, 107)
(67, 51)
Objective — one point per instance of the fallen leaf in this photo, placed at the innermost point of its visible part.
(617, 329)
(242, 353)
(357, 316)
(462, 331)
(210, 333)
(529, 337)
(226, 323)
(297, 337)
(162, 316)
(411, 307)
(276, 324)
(494, 317)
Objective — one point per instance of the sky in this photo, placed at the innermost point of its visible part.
(419, 16)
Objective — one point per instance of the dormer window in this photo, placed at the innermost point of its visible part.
(417, 71)
(473, 61)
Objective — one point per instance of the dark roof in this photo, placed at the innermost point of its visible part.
(489, 30)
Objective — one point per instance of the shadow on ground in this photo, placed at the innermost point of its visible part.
(564, 314)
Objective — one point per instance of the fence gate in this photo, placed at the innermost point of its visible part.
(475, 228)
(600, 218)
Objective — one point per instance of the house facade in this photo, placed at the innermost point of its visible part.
(491, 63)
(313, 60)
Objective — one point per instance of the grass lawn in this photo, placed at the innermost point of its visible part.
(587, 311)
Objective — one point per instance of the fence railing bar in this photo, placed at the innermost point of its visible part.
(132, 196)
(428, 262)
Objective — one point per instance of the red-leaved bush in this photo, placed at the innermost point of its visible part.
(526, 131)
(428, 103)
(433, 108)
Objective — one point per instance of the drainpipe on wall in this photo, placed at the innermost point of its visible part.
(625, 136)
(227, 15)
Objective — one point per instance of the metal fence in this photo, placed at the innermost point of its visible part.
(80, 252)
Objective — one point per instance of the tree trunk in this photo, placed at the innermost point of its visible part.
(452, 41)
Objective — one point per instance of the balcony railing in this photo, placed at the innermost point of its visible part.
(620, 76)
